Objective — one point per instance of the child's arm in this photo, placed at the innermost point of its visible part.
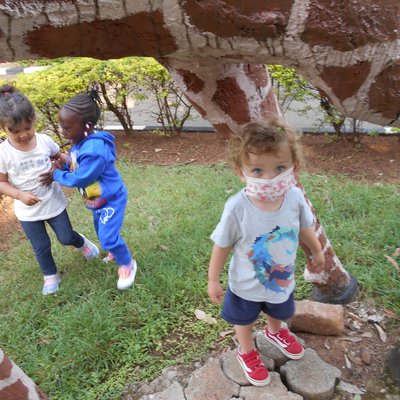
(58, 161)
(62, 160)
(309, 238)
(90, 168)
(219, 256)
(65, 159)
(7, 189)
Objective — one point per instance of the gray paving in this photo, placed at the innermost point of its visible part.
(222, 378)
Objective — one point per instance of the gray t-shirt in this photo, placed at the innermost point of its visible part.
(264, 245)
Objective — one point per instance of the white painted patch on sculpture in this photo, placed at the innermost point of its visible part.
(319, 278)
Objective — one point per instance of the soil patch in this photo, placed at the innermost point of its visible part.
(374, 159)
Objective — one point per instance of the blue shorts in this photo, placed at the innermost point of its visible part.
(238, 311)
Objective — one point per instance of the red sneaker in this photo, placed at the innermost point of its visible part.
(254, 369)
(286, 343)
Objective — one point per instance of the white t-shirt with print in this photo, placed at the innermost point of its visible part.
(23, 169)
(264, 245)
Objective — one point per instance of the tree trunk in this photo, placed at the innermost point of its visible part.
(114, 109)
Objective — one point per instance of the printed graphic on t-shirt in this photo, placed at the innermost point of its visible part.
(273, 256)
(35, 164)
(30, 170)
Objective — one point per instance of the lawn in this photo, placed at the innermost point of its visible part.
(89, 340)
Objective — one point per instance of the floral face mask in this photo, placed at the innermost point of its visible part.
(269, 190)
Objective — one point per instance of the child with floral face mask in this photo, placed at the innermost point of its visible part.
(262, 225)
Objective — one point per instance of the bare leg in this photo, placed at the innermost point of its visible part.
(274, 325)
(244, 334)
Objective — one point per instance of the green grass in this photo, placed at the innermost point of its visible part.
(89, 340)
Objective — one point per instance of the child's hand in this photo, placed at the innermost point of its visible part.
(46, 178)
(28, 198)
(317, 261)
(61, 160)
(57, 163)
(215, 292)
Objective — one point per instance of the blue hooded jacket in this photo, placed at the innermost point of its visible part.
(92, 170)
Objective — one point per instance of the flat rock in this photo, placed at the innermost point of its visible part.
(222, 378)
(209, 382)
(318, 318)
(275, 390)
(174, 392)
(138, 390)
(393, 364)
(311, 377)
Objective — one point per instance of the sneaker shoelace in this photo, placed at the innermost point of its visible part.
(252, 360)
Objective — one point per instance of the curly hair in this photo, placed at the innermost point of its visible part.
(266, 135)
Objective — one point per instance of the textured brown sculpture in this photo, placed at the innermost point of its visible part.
(216, 49)
(350, 51)
(14, 384)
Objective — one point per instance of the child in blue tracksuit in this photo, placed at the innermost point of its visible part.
(90, 166)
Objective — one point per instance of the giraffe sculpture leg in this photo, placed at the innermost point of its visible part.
(229, 96)
(334, 285)
(349, 52)
(15, 384)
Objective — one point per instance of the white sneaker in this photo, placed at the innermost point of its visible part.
(89, 249)
(51, 284)
(126, 275)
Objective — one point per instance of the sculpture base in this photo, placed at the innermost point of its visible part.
(344, 296)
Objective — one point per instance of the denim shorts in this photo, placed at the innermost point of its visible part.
(239, 311)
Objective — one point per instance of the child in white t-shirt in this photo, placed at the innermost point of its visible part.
(261, 225)
(24, 156)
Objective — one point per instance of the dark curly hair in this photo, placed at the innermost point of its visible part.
(14, 107)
